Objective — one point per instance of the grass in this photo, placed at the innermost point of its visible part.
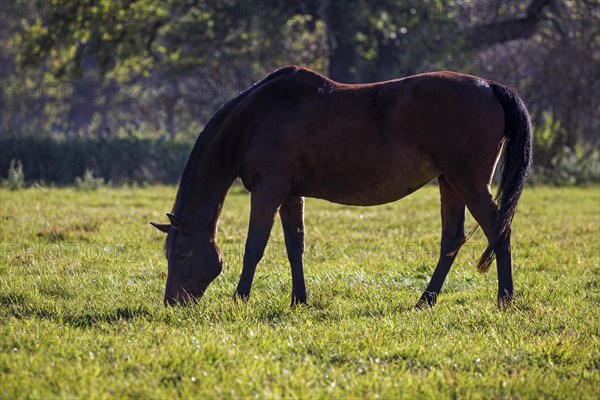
(82, 276)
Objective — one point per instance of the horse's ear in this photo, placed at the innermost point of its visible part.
(176, 224)
(161, 227)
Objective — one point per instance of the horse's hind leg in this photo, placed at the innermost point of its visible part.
(292, 220)
(453, 236)
(482, 206)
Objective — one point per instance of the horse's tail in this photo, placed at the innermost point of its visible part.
(516, 163)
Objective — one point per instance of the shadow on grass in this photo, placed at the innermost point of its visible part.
(89, 319)
(22, 307)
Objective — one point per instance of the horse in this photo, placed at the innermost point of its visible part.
(298, 134)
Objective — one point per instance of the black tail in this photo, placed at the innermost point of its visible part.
(516, 161)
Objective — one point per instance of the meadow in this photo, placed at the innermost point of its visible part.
(82, 276)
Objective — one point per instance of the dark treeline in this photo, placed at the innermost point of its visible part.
(78, 77)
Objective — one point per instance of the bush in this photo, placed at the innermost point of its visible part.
(15, 177)
(558, 164)
(88, 181)
(571, 167)
(118, 160)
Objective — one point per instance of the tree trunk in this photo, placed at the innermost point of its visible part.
(341, 35)
(173, 95)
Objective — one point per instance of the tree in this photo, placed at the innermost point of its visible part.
(182, 59)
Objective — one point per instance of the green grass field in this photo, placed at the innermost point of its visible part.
(82, 276)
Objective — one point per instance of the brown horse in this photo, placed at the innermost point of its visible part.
(297, 133)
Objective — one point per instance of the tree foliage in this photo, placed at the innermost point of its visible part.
(116, 68)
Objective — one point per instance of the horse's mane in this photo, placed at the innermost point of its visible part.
(208, 134)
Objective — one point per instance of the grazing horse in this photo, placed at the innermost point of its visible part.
(298, 134)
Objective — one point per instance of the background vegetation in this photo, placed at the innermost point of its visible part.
(84, 80)
(81, 311)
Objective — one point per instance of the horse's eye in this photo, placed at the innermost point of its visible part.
(182, 257)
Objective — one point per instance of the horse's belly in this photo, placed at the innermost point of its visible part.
(367, 185)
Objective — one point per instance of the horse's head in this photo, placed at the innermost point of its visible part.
(194, 261)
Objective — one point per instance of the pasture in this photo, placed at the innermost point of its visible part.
(82, 277)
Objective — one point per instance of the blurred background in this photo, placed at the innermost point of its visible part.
(116, 91)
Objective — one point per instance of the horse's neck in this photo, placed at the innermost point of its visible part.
(213, 179)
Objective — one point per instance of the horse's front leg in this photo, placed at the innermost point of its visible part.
(264, 207)
(292, 220)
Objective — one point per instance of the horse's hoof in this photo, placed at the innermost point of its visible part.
(505, 301)
(297, 301)
(241, 297)
(427, 301)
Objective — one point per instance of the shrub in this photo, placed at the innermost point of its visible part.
(119, 160)
(88, 181)
(559, 164)
(15, 177)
